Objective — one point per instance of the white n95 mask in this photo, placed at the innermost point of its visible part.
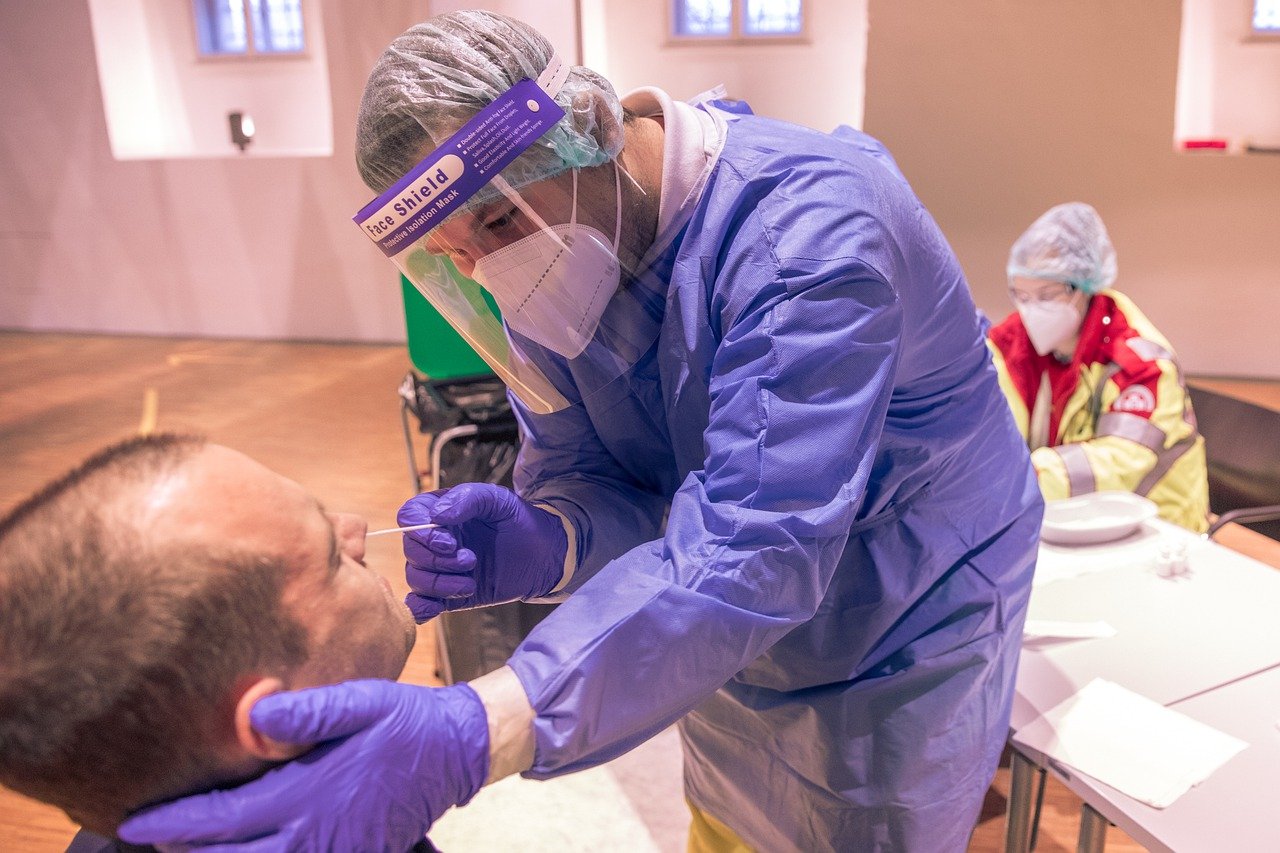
(1050, 324)
(553, 286)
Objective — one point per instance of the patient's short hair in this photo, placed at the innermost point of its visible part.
(118, 655)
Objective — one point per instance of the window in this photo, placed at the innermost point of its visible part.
(248, 27)
(703, 18)
(771, 17)
(694, 20)
(1266, 17)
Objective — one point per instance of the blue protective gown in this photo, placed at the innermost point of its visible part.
(836, 604)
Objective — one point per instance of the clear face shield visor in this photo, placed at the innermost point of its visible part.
(530, 277)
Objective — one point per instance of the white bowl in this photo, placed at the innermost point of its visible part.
(1094, 518)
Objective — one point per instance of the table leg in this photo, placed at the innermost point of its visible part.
(1093, 831)
(1017, 831)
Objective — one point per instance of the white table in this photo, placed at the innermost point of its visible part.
(1234, 809)
(1176, 638)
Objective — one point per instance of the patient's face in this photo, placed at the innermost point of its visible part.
(358, 628)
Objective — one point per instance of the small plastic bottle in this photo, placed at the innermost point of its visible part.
(1171, 559)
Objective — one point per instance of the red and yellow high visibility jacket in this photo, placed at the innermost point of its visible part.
(1116, 417)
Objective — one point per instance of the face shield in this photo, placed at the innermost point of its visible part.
(530, 276)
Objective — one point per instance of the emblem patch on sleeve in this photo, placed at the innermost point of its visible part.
(1136, 400)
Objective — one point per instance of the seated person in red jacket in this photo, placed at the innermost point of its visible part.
(1094, 386)
(148, 599)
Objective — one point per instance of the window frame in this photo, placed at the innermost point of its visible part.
(737, 34)
(251, 53)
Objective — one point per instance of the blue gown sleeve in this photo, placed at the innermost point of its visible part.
(563, 464)
(799, 391)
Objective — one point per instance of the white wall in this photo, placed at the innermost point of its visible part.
(252, 247)
(1228, 81)
(998, 109)
(555, 19)
(163, 100)
(818, 83)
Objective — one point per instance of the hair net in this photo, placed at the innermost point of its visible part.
(1068, 243)
(437, 75)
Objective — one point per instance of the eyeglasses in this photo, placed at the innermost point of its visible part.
(1047, 292)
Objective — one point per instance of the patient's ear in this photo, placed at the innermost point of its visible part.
(253, 742)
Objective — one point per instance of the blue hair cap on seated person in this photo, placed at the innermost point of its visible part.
(1067, 243)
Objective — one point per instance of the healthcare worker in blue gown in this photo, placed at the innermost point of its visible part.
(766, 466)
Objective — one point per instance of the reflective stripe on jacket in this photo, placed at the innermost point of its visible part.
(1120, 416)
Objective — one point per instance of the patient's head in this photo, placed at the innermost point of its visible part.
(148, 598)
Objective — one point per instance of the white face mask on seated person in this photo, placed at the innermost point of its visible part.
(1051, 312)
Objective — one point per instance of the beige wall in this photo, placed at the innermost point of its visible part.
(252, 247)
(163, 100)
(258, 247)
(555, 19)
(998, 109)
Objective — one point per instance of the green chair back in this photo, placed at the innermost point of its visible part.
(435, 349)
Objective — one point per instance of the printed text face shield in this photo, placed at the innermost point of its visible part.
(531, 277)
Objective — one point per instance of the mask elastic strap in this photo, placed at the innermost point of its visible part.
(573, 217)
(634, 182)
(617, 204)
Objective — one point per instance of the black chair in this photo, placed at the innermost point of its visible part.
(1242, 446)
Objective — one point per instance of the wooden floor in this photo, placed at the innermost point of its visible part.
(324, 415)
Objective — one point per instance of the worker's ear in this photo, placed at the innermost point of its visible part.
(253, 742)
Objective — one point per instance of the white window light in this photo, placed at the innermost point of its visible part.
(700, 20)
(248, 27)
(1266, 17)
(771, 17)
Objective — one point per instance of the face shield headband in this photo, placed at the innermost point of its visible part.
(447, 178)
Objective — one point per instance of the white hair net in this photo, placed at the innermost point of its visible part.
(437, 75)
(1068, 243)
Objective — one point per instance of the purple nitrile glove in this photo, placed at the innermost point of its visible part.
(493, 547)
(393, 757)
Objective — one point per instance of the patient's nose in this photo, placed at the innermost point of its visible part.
(350, 529)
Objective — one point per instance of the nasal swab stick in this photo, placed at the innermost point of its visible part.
(400, 529)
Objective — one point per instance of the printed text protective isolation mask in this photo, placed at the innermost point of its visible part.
(526, 275)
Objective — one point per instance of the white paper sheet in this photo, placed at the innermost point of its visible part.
(1056, 562)
(1129, 742)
